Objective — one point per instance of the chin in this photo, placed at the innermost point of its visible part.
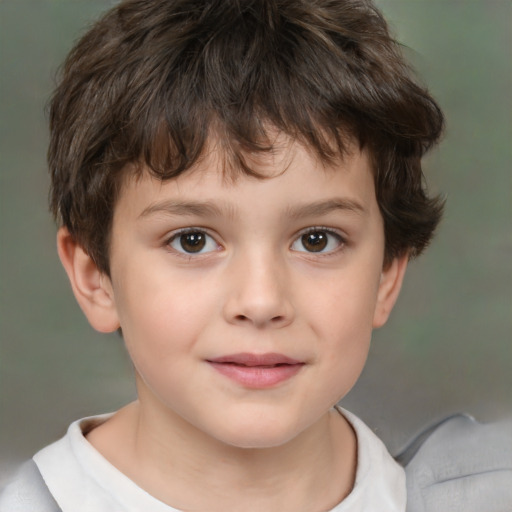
(259, 435)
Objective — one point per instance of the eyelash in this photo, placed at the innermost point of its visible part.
(341, 241)
(191, 230)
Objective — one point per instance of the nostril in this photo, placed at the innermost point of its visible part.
(275, 319)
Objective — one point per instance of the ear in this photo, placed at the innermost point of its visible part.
(92, 288)
(389, 288)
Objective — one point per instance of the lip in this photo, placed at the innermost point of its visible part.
(258, 371)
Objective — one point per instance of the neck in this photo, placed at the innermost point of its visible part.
(171, 460)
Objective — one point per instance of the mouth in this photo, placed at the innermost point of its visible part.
(258, 371)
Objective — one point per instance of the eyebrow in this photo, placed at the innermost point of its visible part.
(172, 207)
(209, 209)
(325, 207)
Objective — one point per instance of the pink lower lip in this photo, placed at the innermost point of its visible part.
(258, 377)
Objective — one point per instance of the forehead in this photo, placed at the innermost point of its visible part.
(288, 173)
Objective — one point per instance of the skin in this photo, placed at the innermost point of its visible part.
(256, 287)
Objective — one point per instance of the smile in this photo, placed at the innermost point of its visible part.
(258, 371)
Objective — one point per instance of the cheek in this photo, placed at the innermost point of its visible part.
(345, 304)
(162, 314)
(342, 318)
(159, 328)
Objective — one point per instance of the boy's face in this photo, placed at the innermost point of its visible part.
(247, 307)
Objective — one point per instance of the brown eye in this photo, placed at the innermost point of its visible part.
(315, 241)
(193, 242)
(318, 241)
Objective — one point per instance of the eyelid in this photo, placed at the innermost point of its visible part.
(183, 231)
(336, 233)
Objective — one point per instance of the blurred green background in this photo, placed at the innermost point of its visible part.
(448, 345)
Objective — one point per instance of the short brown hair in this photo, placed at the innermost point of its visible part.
(153, 80)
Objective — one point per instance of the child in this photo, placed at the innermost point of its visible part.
(239, 189)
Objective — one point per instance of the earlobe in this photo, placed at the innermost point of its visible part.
(91, 287)
(389, 289)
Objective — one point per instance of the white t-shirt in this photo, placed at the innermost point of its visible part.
(82, 480)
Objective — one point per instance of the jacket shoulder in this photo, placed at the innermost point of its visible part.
(27, 492)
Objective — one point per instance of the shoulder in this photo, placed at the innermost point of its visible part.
(372, 453)
(460, 465)
(380, 480)
(27, 492)
(55, 477)
(81, 479)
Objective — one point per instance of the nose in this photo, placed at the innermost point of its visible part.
(259, 293)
